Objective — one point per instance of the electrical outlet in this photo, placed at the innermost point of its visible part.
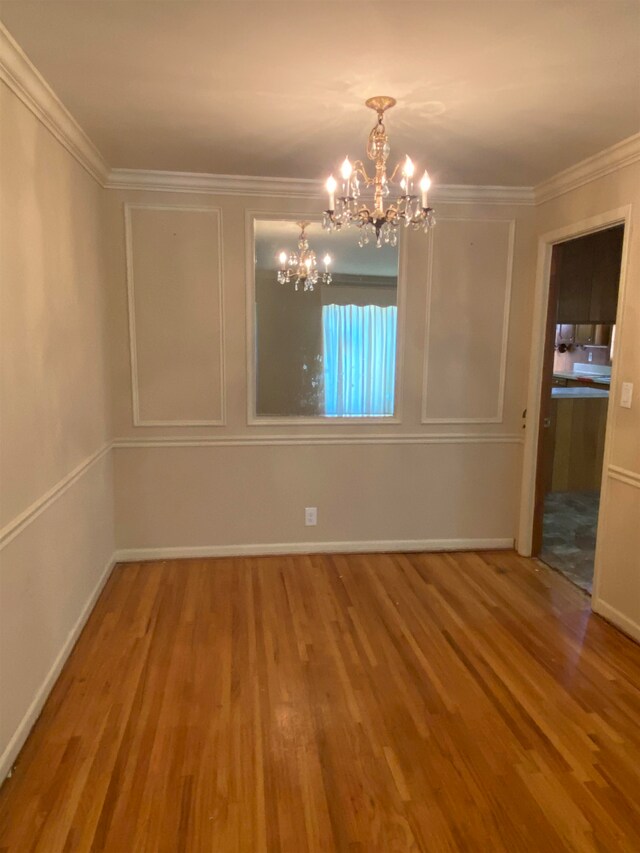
(311, 516)
(626, 395)
(590, 357)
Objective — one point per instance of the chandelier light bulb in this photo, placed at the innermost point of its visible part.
(307, 263)
(331, 189)
(346, 169)
(408, 167)
(425, 183)
(283, 258)
(326, 260)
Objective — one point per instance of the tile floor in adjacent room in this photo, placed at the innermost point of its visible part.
(569, 535)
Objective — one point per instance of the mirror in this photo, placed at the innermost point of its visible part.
(325, 350)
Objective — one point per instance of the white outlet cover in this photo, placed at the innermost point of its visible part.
(310, 516)
(626, 395)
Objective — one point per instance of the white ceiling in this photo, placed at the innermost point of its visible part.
(504, 92)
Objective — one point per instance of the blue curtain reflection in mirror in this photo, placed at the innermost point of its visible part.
(359, 356)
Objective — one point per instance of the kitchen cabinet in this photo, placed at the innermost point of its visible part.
(576, 434)
(574, 280)
(585, 333)
(588, 278)
(607, 259)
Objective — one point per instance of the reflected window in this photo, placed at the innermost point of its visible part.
(359, 359)
(331, 351)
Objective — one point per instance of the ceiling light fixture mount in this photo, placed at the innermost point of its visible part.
(408, 209)
(301, 266)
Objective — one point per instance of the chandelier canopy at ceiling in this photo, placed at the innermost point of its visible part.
(377, 221)
(301, 267)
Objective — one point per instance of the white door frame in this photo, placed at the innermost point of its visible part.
(620, 215)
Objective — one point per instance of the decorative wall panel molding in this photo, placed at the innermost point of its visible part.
(26, 82)
(478, 321)
(176, 314)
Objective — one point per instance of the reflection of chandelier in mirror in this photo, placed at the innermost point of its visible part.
(408, 209)
(301, 266)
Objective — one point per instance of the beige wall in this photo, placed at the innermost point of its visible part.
(245, 484)
(617, 589)
(55, 473)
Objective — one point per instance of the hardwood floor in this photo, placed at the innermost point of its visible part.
(361, 703)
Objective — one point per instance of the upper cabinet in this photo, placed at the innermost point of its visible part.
(607, 259)
(575, 271)
(588, 277)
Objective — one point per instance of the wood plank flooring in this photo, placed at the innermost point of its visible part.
(361, 703)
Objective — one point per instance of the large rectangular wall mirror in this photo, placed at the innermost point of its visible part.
(331, 351)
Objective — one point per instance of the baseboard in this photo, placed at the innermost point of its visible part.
(617, 619)
(22, 732)
(128, 555)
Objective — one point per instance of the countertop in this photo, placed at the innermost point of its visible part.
(598, 378)
(579, 393)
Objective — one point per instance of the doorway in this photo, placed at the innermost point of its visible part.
(579, 350)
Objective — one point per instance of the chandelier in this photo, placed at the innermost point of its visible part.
(408, 208)
(301, 266)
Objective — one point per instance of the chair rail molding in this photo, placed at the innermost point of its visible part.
(624, 475)
(313, 440)
(21, 521)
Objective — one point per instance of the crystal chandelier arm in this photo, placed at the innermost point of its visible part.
(359, 168)
(392, 178)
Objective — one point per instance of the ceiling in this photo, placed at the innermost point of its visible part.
(504, 93)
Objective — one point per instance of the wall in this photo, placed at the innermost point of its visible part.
(445, 473)
(56, 501)
(617, 587)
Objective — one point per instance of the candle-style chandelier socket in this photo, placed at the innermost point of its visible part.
(408, 208)
(301, 267)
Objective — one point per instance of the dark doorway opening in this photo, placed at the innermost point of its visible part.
(579, 351)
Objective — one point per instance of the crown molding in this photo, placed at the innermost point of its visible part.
(247, 185)
(201, 182)
(26, 82)
(468, 194)
(603, 163)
